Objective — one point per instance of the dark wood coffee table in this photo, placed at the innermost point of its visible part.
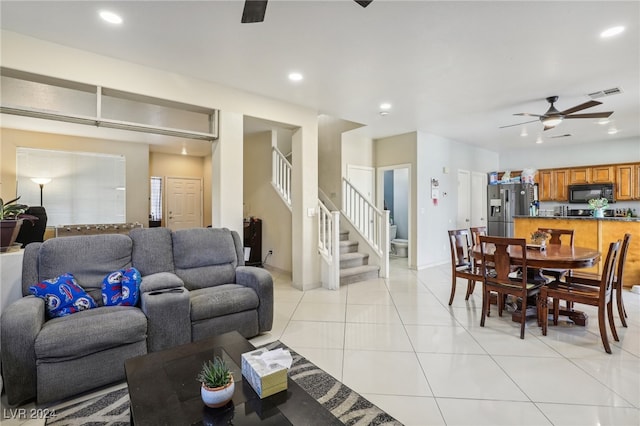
(163, 390)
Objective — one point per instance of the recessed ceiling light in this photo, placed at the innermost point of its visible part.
(184, 150)
(383, 113)
(110, 17)
(295, 76)
(613, 31)
(524, 133)
(385, 106)
(539, 140)
(612, 131)
(604, 121)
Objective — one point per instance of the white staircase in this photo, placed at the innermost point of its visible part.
(354, 266)
(342, 262)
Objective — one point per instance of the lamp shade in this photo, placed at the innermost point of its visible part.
(41, 181)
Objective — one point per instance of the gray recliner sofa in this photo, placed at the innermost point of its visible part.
(194, 285)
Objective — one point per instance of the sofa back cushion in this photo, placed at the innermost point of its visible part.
(205, 257)
(88, 257)
(152, 250)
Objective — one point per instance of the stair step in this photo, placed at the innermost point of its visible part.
(348, 246)
(358, 273)
(344, 235)
(350, 260)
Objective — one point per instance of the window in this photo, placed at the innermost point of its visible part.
(156, 198)
(85, 188)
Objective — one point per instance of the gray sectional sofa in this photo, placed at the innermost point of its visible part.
(194, 285)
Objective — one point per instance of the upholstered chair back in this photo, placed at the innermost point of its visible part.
(205, 259)
(90, 258)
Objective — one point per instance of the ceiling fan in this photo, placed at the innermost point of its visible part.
(553, 117)
(254, 10)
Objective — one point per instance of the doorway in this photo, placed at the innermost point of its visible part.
(184, 203)
(394, 194)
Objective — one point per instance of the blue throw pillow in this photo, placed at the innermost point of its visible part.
(121, 287)
(63, 296)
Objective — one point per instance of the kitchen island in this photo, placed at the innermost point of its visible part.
(594, 233)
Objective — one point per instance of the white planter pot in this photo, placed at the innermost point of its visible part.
(217, 397)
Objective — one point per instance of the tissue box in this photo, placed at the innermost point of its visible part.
(265, 379)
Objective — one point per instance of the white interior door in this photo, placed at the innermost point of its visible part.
(184, 203)
(363, 179)
(478, 199)
(463, 219)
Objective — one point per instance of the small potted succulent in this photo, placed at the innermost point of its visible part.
(217, 383)
(11, 216)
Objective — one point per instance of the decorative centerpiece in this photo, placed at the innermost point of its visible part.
(598, 205)
(217, 383)
(539, 238)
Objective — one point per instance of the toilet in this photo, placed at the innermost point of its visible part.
(399, 247)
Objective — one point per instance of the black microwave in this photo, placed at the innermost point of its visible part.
(584, 193)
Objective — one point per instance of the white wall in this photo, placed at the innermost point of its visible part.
(262, 201)
(400, 150)
(544, 156)
(330, 164)
(440, 158)
(41, 57)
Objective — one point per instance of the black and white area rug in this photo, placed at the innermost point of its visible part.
(112, 408)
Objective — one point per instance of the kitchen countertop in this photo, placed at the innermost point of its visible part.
(611, 219)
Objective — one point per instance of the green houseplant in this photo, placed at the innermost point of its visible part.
(217, 384)
(11, 216)
(539, 237)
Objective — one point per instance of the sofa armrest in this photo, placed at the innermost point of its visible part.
(168, 312)
(261, 282)
(160, 282)
(20, 324)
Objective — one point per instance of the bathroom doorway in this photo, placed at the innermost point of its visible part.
(395, 195)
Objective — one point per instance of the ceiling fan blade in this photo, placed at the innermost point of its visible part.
(580, 107)
(526, 114)
(254, 11)
(519, 124)
(363, 3)
(560, 136)
(591, 115)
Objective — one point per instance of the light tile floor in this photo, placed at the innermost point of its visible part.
(398, 343)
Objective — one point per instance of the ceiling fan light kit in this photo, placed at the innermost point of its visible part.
(553, 117)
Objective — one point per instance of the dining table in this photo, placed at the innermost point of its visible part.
(551, 256)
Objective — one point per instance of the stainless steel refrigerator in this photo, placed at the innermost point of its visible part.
(505, 201)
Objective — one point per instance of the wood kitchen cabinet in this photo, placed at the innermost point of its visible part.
(628, 182)
(552, 185)
(592, 233)
(595, 174)
(602, 174)
(581, 175)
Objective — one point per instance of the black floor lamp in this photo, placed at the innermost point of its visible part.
(42, 182)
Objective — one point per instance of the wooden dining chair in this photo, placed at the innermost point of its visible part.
(476, 232)
(501, 280)
(600, 296)
(557, 236)
(462, 263)
(618, 278)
